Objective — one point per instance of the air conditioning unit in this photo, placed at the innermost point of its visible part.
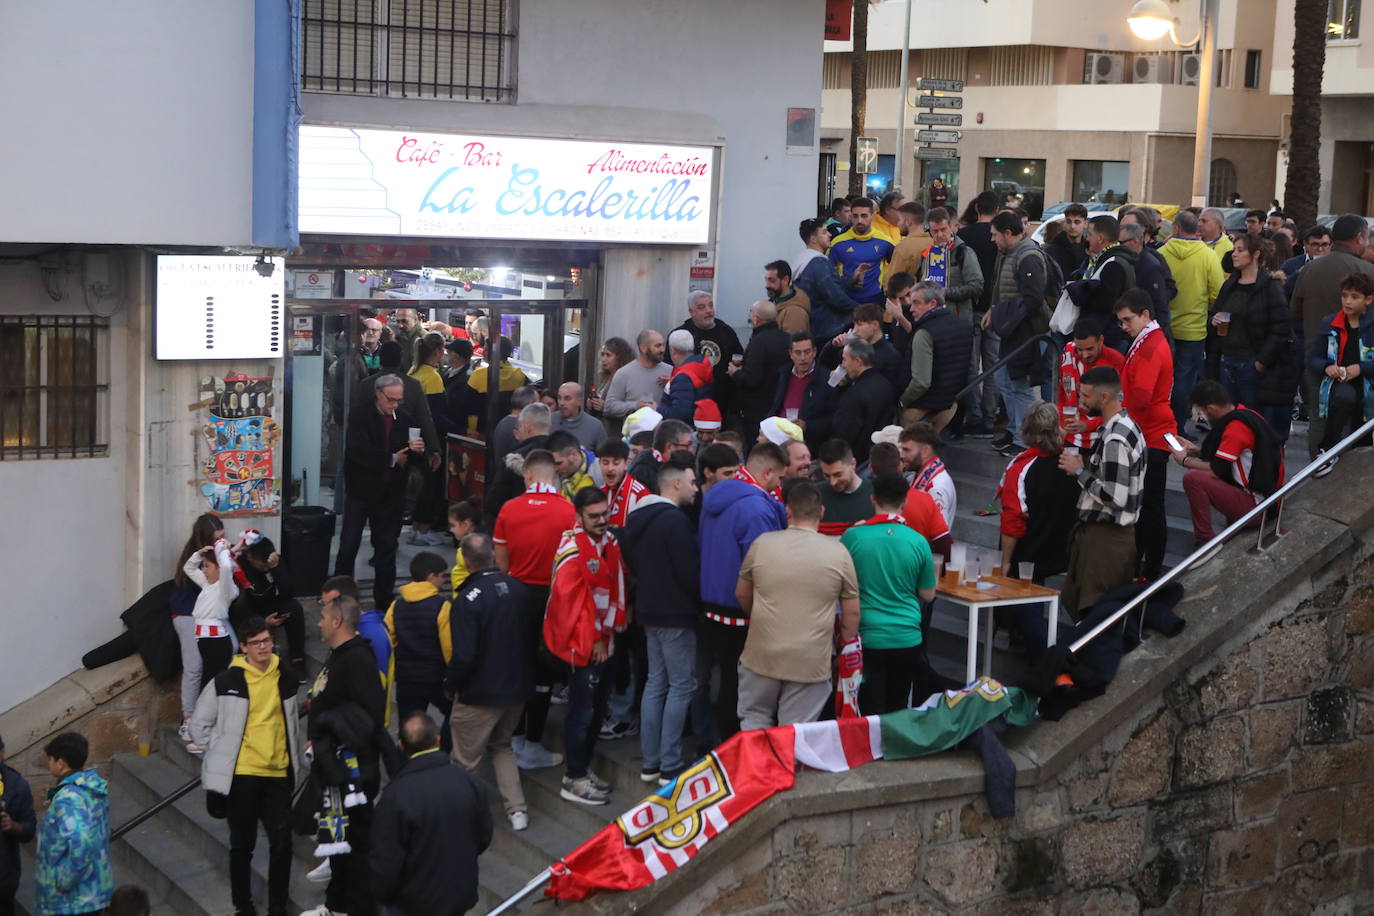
(1154, 68)
(1105, 68)
(1190, 72)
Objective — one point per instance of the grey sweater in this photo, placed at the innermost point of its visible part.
(633, 383)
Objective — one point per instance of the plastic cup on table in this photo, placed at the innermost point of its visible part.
(1025, 571)
(939, 568)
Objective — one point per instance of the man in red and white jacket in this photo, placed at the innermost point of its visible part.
(1085, 351)
(1146, 386)
(586, 609)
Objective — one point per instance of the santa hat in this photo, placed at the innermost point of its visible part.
(887, 434)
(707, 415)
(780, 431)
(645, 419)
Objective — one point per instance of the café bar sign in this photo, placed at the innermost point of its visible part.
(405, 183)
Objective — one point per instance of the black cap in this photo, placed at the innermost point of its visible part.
(460, 345)
(1347, 227)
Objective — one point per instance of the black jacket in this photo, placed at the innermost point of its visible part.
(717, 345)
(150, 624)
(1070, 255)
(1115, 275)
(490, 664)
(1052, 504)
(816, 398)
(764, 357)
(645, 469)
(509, 482)
(349, 675)
(659, 544)
(1153, 275)
(368, 474)
(1265, 458)
(865, 405)
(415, 404)
(886, 359)
(431, 824)
(350, 726)
(269, 591)
(18, 799)
(1269, 328)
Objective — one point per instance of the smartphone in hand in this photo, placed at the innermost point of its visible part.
(1174, 443)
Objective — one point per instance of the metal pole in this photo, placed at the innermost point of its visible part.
(899, 159)
(1202, 148)
(530, 887)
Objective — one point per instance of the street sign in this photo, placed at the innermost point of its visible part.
(937, 136)
(939, 101)
(868, 155)
(930, 84)
(935, 117)
(936, 152)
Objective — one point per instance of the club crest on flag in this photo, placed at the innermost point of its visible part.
(674, 817)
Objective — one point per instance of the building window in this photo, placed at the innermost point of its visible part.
(1021, 65)
(1222, 183)
(1221, 65)
(54, 386)
(835, 68)
(1017, 183)
(1342, 20)
(1252, 68)
(944, 63)
(1096, 181)
(423, 49)
(884, 69)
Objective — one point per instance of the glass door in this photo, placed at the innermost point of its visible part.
(322, 375)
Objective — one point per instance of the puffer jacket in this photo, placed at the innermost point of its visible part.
(73, 872)
(221, 716)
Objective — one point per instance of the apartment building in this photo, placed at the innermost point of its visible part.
(1347, 149)
(1063, 102)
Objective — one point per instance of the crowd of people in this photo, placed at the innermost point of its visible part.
(694, 542)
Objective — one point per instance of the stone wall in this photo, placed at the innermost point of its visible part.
(1228, 770)
(118, 708)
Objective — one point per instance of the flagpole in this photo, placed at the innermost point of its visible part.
(530, 887)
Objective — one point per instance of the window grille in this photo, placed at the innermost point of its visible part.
(834, 66)
(944, 63)
(884, 69)
(1022, 65)
(54, 386)
(425, 49)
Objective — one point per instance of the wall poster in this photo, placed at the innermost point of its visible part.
(240, 473)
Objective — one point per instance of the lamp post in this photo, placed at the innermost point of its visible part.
(1151, 20)
(901, 110)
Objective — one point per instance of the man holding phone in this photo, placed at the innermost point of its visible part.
(380, 440)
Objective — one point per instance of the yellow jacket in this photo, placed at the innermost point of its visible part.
(263, 751)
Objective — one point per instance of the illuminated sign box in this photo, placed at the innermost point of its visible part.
(403, 183)
(219, 307)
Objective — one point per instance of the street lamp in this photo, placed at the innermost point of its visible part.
(1151, 20)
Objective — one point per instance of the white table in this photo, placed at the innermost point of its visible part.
(1004, 593)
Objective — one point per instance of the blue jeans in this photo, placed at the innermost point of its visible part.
(589, 690)
(1188, 359)
(667, 696)
(1018, 394)
(1242, 379)
(1052, 353)
(981, 402)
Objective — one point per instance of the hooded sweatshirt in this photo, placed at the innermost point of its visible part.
(1198, 276)
(73, 874)
(660, 550)
(418, 622)
(263, 751)
(733, 514)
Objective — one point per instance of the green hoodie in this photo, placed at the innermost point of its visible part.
(1197, 273)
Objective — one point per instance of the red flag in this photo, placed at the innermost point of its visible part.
(668, 828)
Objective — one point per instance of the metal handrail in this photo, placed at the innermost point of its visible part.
(1219, 539)
(1002, 361)
(156, 809)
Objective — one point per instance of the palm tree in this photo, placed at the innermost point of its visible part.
(858, 94)
(1305, 131)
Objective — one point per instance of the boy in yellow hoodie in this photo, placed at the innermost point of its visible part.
(418, 623)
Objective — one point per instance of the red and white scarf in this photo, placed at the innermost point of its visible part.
(1140, 338)
(884, 518)
(744, 475)
(926, 478)
(624, 499)
(604, 575)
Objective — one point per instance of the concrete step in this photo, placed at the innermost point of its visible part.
(146, 780)
(975, 492)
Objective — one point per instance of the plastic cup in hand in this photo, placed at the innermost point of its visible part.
(1223, 324)
(1071, 411)
(414, 432)
(1025, 571)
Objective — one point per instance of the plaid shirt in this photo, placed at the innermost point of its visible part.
(1113, 474)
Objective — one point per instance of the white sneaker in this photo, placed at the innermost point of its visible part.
(1326, 468)
(519, 820)
(322, 910)
(534, 756)
(320, 874)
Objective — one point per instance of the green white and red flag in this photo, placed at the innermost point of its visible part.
(666, 830)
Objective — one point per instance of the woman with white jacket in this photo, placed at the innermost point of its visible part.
(212, 568)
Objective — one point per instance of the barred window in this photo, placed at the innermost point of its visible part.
(425, 49)
(54, 386)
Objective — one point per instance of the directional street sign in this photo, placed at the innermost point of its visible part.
(939, 101)
(868, 156)
(936, 117)
(936, 152)
(929, 84)
(937, 136)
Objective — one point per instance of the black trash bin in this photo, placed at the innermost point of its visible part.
(307, 533)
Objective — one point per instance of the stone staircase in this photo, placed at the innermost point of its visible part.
(181, 855)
